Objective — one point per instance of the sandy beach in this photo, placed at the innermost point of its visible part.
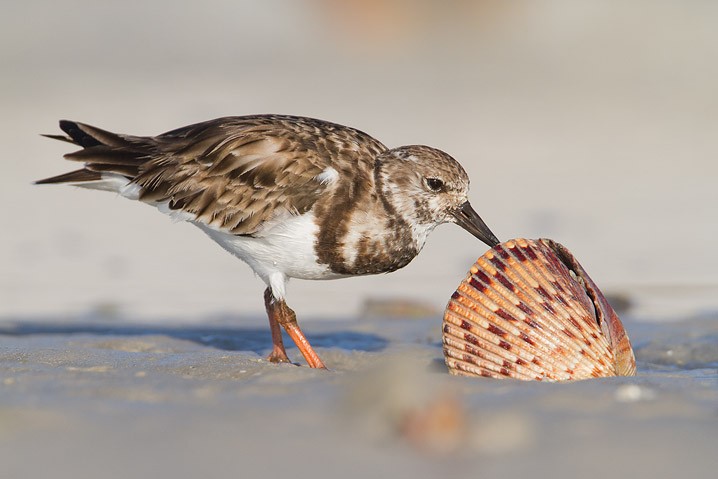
(94, 398)
(131, 346)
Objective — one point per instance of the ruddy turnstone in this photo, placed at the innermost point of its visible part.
(292, 197)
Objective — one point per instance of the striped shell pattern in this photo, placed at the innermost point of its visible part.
(528, 310)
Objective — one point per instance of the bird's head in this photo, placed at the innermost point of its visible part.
(428, 187)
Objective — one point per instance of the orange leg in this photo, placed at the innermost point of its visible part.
(278, 354)
(280, 313)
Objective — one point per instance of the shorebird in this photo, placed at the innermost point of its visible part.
(293, 197)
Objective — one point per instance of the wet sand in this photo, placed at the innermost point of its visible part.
(93, 398)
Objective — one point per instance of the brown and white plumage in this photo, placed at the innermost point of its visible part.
(291, 196)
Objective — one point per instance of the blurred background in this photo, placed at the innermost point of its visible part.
(593, 123)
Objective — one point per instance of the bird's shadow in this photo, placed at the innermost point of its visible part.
(224, 337)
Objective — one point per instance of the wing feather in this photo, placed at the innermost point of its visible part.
(233, 173)
(235, 181)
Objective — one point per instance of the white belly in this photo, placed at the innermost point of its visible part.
(286, 247)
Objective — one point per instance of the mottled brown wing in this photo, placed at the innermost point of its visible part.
(234, 178)
(232, 173)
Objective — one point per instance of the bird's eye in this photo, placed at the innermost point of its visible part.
(434, 184)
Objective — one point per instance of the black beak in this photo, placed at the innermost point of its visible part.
(468, 219)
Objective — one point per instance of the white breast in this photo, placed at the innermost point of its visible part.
(284, 249)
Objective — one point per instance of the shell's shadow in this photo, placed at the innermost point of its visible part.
(228, 338)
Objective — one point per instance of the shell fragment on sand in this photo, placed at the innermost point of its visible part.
(528, 310)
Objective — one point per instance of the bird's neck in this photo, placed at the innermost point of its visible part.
(365, 234)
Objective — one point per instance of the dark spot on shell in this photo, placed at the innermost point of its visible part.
(504, 315)
(446, 328)
(470, 338)
(465, 325)
(526, 338)
(503, 280)
(548, 308)
(486, 373)
(525, 308)
(536, 361)
(505, 371)
(570, 371)
(569, 334)
(507, 364)
(473, 351)
(497, 331)
(503, 253)
(505, 345)
(561, 300)
(455, 295)
(520, 362)
(482, 277)
(469, 359)
(477, 285)
(496, 261)
(519, 255)
(530, 253)
(543, 292)
(532, 323)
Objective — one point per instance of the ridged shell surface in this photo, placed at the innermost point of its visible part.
(528, 310)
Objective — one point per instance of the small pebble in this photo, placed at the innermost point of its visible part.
(633, 393)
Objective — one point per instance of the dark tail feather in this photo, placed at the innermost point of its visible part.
(103, 151)
(87, 136)
(77, 176)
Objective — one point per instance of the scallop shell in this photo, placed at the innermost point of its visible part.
(528, 310)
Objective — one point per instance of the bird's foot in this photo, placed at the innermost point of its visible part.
(278, 356)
